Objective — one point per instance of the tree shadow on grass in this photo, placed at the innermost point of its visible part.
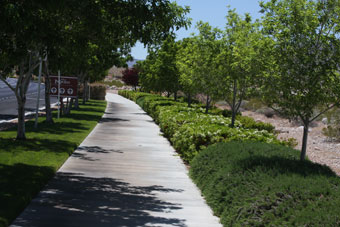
(283, 165)
(92, 103)
(19, 183)
(58, 128)
(82, 116)
(36, 145)
(95, 110)
(55, 128)
(71, 199)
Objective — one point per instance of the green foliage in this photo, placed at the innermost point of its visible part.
(257, 184)
(240, 66)
(249, 122)
(26, 166)
(132, 95)
(159, 71)
(190, 130)
(304, 55)
(254, 104)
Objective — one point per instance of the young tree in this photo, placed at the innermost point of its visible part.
(207, 47)
(184, 62)
(22, 46)
(160, 72)
(305, 53)
(240, 63)
(101, 31)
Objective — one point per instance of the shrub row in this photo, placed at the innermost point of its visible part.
(257, 184)
(191, 130)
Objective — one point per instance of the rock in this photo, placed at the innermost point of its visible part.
(268, 112)
(324, 120)
(244, 104)
(313, 124)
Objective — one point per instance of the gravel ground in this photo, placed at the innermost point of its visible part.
(319, 148)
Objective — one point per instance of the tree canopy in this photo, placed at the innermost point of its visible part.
(80, 37)
(303, 80)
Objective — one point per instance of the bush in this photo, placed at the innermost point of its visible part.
(249, 122)
(229, 113)
(98, 91)
(130, 77)
(258, 184)
(190, 130)
(332, 131)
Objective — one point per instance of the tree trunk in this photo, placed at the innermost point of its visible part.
(168, 94)
(207, 104)
(175, 95)
(62, 106)
(304, 141)
(189, 100)
(88, 90)
(76, 103)
(233, 107)
(69, 106)
(84, 92)
(21, 118)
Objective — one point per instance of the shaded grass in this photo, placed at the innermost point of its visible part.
(256, 184)
(26, 166)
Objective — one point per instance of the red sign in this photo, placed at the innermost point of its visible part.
(68, 86)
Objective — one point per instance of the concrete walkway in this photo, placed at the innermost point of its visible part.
(123, 174)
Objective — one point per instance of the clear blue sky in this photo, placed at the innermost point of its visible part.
(213, 11)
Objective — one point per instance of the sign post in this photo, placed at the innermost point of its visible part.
(58, 94)
(63, 87)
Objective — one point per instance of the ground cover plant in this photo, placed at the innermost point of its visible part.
(259, 184)
(26, 166)
(190, 129)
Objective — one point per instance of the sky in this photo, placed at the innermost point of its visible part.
(212, 11)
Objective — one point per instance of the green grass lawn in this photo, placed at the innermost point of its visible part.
(26, 166)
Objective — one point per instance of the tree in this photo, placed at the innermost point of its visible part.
(79, 37)
(22, 46)
(240, 65)
(160, 72)
(206, 47)
(184, 62)
(130, 77)
(305, 48)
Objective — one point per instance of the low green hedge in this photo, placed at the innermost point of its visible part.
(258, 184)
(190, 130)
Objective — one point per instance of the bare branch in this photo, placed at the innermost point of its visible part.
(8, 84)
(324, 111)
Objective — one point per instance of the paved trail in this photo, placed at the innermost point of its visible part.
(123, 174)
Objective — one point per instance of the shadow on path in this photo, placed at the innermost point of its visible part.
(109, 202)
(84, 151)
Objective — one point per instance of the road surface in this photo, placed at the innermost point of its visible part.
(8, 102)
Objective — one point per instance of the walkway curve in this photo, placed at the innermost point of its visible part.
(123, 174)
